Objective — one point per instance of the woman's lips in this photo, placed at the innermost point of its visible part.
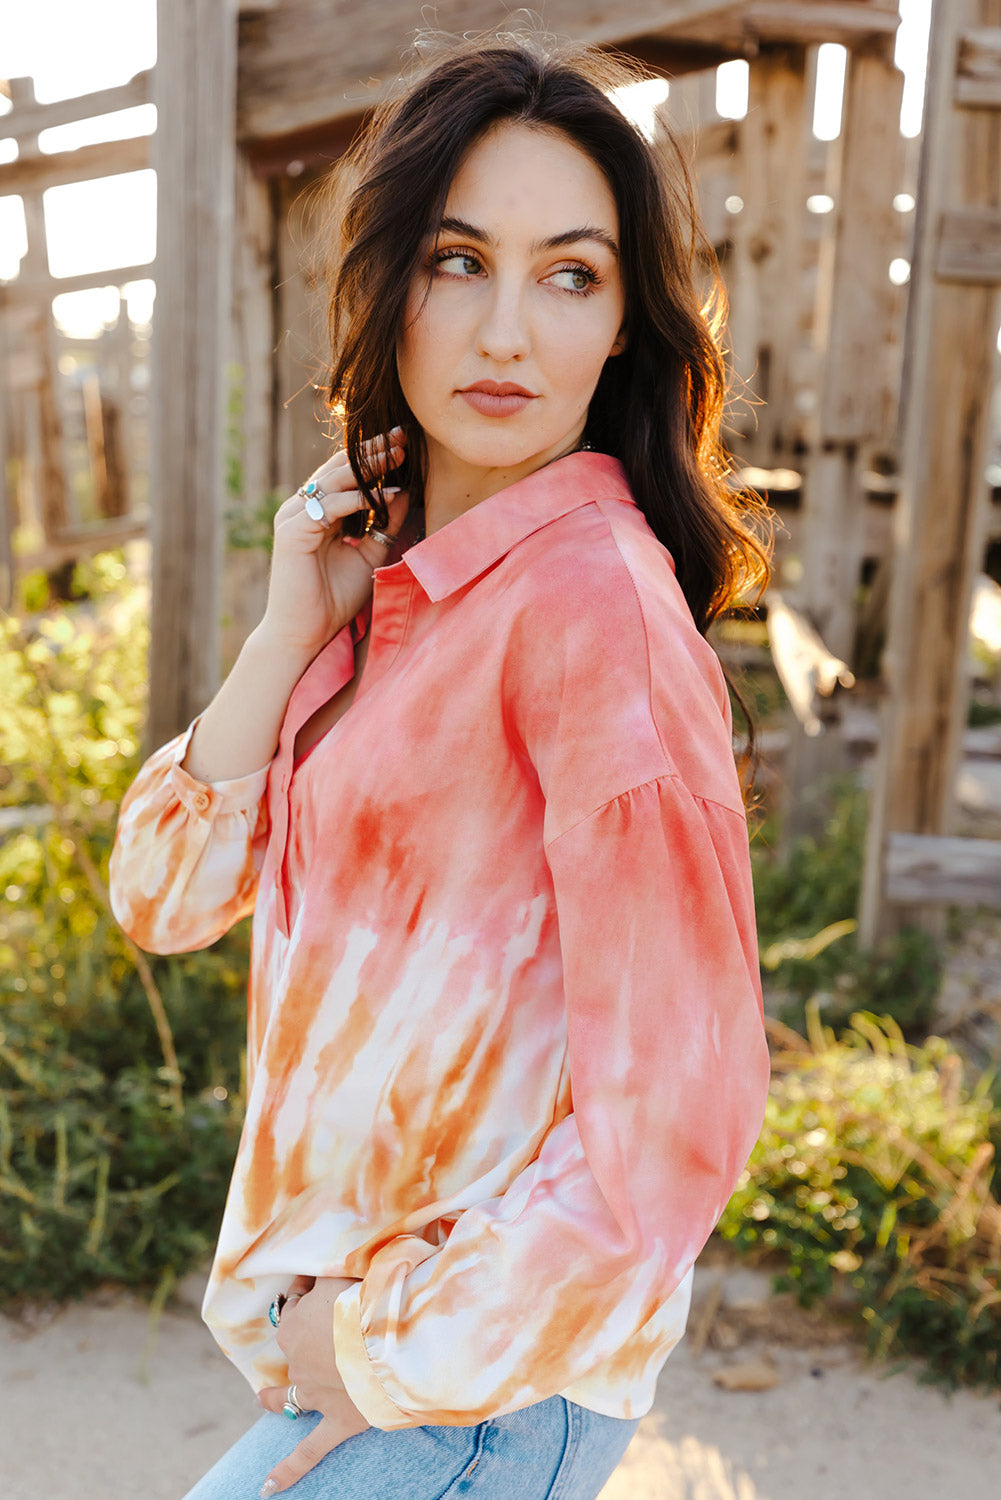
(493, 400)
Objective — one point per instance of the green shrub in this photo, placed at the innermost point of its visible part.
(874, 1165)
(120, 1087)
(812, 892)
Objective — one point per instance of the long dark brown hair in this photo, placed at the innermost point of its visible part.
(658, 406)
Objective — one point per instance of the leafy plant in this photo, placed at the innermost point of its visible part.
(874, 1166)
(119, 1075)
(806, 902)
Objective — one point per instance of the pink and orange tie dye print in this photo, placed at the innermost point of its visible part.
(506, 1053)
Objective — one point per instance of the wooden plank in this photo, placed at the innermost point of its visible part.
(808, 21)
(255, 411)
(807, 669)
(194, 91)
(27, 290)
(301, 443)
(941, 507)
(766, 274)
(858, 306)
(6, 505)
(84, 541)
(309, 61)
(33, 174)
(29, 118)
(926, 871)
(978, 73)
(855, 316)
(969, 247)
(741, 27)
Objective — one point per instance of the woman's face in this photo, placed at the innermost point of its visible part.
(499, 359)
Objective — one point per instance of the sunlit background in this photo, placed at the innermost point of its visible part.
(69, 49)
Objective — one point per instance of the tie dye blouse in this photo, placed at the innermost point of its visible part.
(506, 1056)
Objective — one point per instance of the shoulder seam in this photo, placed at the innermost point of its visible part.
(639, 786)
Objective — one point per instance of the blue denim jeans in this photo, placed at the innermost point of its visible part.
(554, 1450)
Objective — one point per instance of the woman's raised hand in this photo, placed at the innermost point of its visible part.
(319, 580)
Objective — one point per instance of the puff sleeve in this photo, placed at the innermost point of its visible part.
(549, 1281)
(187, 853)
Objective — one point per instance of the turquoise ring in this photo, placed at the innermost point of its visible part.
(291, 1408)
(313, 495)
(275, 1310)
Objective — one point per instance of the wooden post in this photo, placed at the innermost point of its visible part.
(855, 315)
(854, 318)
(302, 441)
(194, 88)
(53, 491)
(254, 417)
(768, 273)
(6, 509)
(953, 316)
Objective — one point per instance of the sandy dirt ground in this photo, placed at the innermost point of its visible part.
(92, 1408)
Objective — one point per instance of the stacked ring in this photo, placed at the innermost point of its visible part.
(380, 536)
(313, 495)
(291, 1408)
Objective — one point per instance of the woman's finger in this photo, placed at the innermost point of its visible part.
(301, 1285)
(324, 1438)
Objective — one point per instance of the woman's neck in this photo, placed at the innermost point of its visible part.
(453, 487)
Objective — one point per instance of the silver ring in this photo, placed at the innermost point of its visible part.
(380, 536)
(291, 1408)
(312, 494)
(315, 511)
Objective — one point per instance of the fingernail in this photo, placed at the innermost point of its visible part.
(269, 1487)
(391, 489)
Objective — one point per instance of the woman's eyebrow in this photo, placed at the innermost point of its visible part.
(451, 225)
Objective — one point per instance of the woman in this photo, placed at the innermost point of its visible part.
(506, 1057)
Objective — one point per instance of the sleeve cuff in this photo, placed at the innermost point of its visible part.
(207, 798)
(355, 1367)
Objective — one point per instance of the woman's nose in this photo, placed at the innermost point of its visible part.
(503, 331)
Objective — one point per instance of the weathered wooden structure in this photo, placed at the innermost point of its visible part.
(34, 415)
(951, 351)
(256, 101)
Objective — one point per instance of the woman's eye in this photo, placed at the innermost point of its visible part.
(455, 263)
(574, 279)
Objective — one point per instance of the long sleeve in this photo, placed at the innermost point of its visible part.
(555, 1277)
(187, 853)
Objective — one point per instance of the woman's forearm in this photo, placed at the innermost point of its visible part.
(238, 732)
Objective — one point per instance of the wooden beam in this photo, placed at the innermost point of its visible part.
(978, 75)
(29, 118)
(307, 62)
(194, 90)
(33, 174)
(26, 290)
(807, 21)
(675, 58)
(83, 541)
(941, 511)
(926, 871)
(741, 26)
(969, 247)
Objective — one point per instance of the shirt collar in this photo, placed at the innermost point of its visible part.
(466, 547)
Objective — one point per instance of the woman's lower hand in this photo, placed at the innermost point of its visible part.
(305, 1337)
(319, 581)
